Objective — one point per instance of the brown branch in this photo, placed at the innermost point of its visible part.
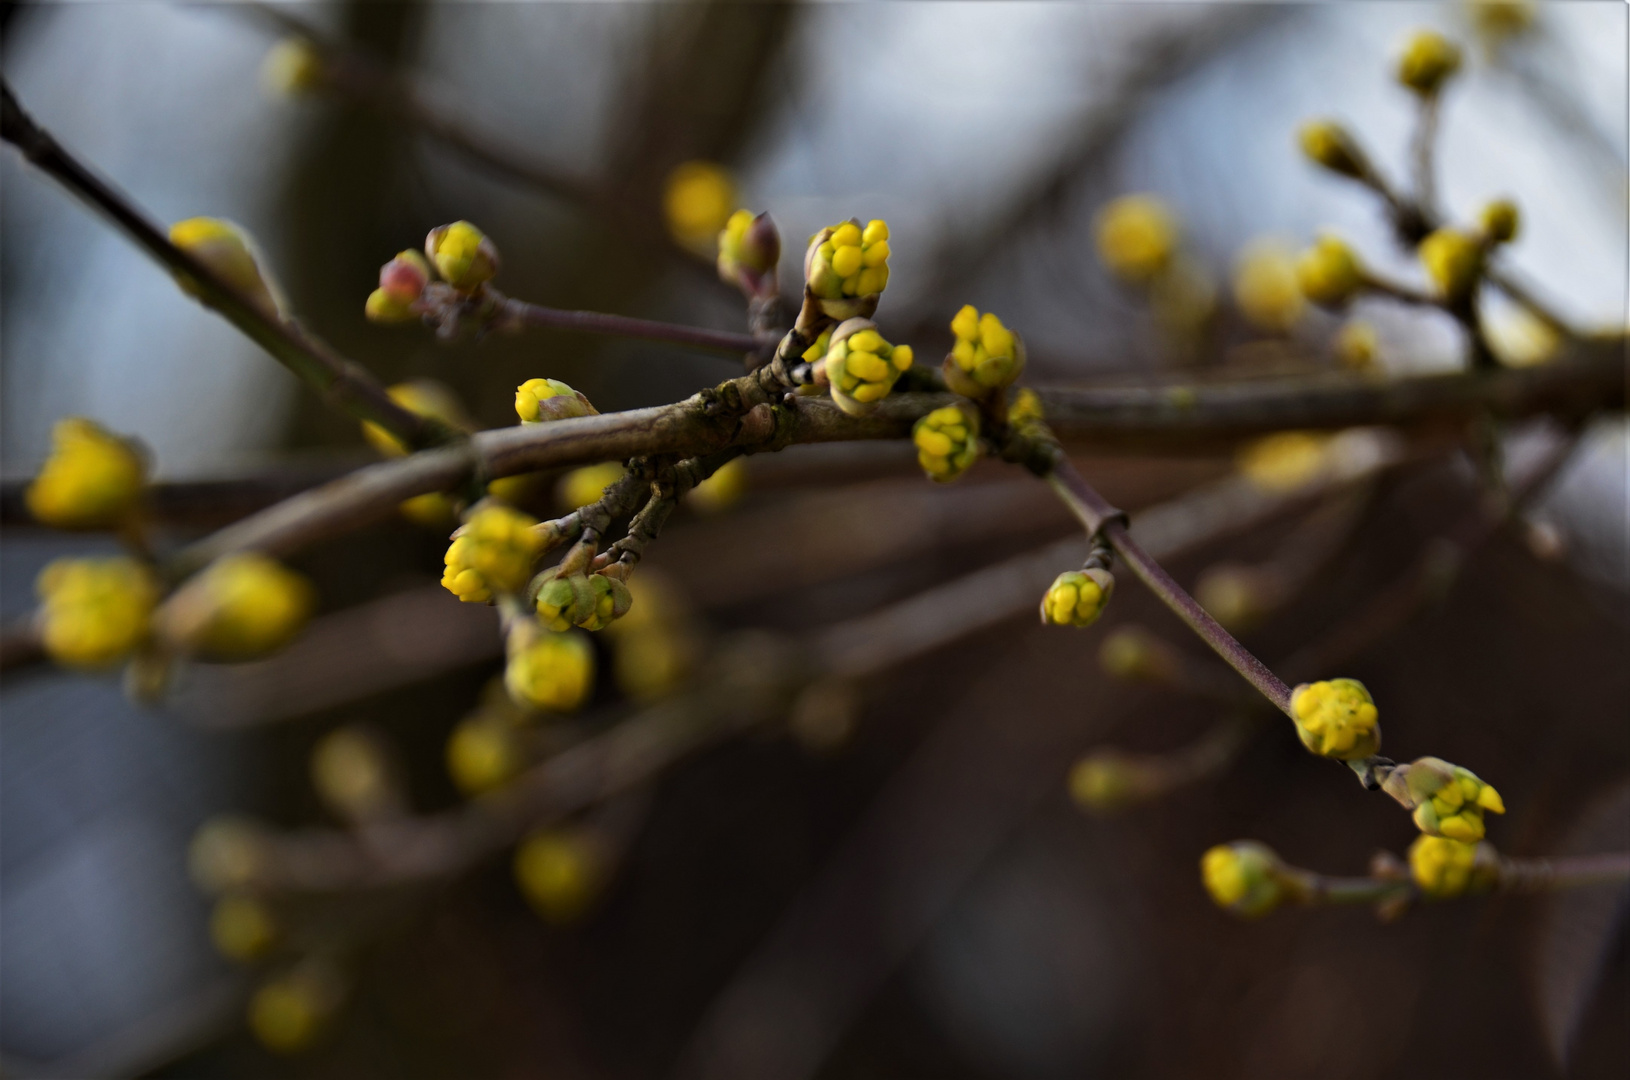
(518, 313)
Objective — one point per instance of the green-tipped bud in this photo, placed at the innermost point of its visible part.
(861, 367)
(1337, 719)
(1444, 869)
(1427, 61)
(1447, 800)
(986, 358)
(462, 255)
(1243, 878)
(947, 441)
(1329, 273)
(1454, 262)
(1327, 143)
(1077, 597)
(1500, 220)
(538, 401)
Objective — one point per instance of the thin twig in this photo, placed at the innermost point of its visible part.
(521, 313)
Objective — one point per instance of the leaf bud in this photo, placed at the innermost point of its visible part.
(1336, 719)
(241, 607)
(947, 441)
(538, 401)
(1077, 597)
(1136, 236)
(463, 255)
(1427, 61)
(93, 478)
(1243, 878)
(94, 612)
(987, 356)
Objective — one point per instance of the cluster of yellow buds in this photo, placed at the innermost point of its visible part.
(655, 646)
(847, 262)
(242, 928)
(537, 401)
(548, 670)
(401, 282)
(293, 1010)
(1136, 237)
(1329, 273)
(592, 601)
(1336, 719)
(861, 367)
(228, 251)
(560, 872)
(696, 202)
(1328, 144)
(1427, 61)
(491, 553)
(355, 774)
(1243, 877)
(422, 397)
(987, 356)
(462, 254)
(1453, 261)
(1077, 597)
(93, 478)
(749, 251)
(95, 612)
(947, 441)
(1266, 288)
(1444, 869)
(240, 607)
(1448, 800)
(1500, 220)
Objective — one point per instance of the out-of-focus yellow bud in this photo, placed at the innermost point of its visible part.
(228, 250)
(538, 401)
(553, 672)
(1106, 781)
(1328, 272)
(242, 928)
(94, 612)
(1328, 143)
(1137, 236)
(352, 770)
(93, 478)
(1518, 338)
(1026, 409)
(721, 490)
(292, 66)
(1183, 298)
(1131, 652)
(1243, 878)
(462, 254)
(484, 752)
(1283, 461)
(1236, 596)
(383, 308)
(560, 873)
(1428, 59)
(656, 644)
(1454, 262)
(1265, 286)
(1336, 719)
(1500, 220)
(401, 282)
(433, 511)
(492, 552)
(1077, 597)
(947, 441)
(1447, 799)
(1356, 346)
(846, 261)
(749, 249)
(987, 356)
(862, 367)
(1497, 20)
(696, 202)
(292, 1011)
(226, 853)
(1444, 869)
(240, 607)
(421, 397)
(580, 487)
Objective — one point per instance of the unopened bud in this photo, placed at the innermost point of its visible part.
(1356, 346)
(226, 853)
(720, 491)
(491, 553)
(355, 775)
(1337, 719)
(94, 612)
(561, 872)
(421, 397)
(292, 66)
(401, 282)
(483, 753)
(1265, 286)
(1454, 262)
(1444, 869)
(1131, 652)
(240, 607)
(1106, 781)
(1328, 272)
(462, 255)
(242, 928)
(580, 487)
(861, 366)
(846, 264)
(1243, 878)
(987, 356)
(947, 441)
(1327, 143)
(749, 250)
(1428, 59)
(1284, 461)
(551, 671)
(1136, 237)
(1077, 597)
(696, 202)
(293, 1010)
(1500, 220)
(227, 250)
(1236, 596)
(93, 478)
(538, 401)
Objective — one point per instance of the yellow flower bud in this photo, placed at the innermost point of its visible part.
(226, 853)
(421, 397)
(401, 282)
(1336, 719)
(696, 202)
(1444, 868)
(1137, 236)
(1448, 800)
(1454, 262)
(1327, 143)
(947, 441)
(381, 307)
(862, 367)
(1106, 781)
(1284, 461)
(749, 249)
(580, 487)
(987, 356)
(1518, 338)
(228, 250)
(492, 552)
(1243, 878)
(844, 261)
(241, 607)
(463, 255)
(433, 511)
(484, 752)
(1328, 272)
(1236, 596)
(1026, 409)
(292, 1011)
(242, 928)
(94, 612)
(560, 873)
(538, 401)
(592, 601)
(1077, 597)
(1428, 59)
(1497, 20)
(93, 478)
(721, 490)
(352, 770)
(1265, 287)
(1356, 346)
(656, 644)
(1500, 220)
(1131, 652)
(553, 672)
(292, 66)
